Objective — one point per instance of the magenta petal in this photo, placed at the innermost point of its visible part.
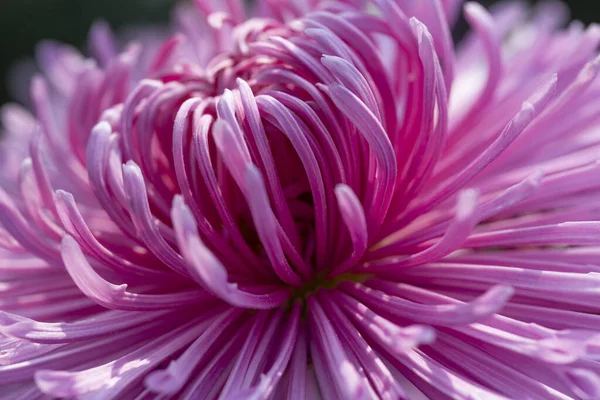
(211, 272)
(307, 199)
(117, 296)
(354, 218)
(383, 297)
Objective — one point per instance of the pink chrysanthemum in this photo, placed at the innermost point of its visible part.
(309, 199)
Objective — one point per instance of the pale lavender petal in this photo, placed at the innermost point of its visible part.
(307, 199)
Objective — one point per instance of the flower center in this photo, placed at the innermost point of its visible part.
(324, 281)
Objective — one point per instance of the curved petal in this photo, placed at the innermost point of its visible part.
(116, 296)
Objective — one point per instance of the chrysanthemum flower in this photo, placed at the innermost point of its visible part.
(307, 200)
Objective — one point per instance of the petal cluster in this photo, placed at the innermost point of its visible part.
(307, 199)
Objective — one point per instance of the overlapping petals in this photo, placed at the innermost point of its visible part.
(307, 199)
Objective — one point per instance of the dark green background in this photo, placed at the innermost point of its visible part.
(24, 22)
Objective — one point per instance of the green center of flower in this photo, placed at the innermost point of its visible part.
(323, 281)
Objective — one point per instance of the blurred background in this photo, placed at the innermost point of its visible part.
(23, 23)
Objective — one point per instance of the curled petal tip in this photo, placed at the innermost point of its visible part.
(418, 27)
(102, 127)
(39, 86)
(131, 170)
(62, 193)
(493, 300)
(163, 381)
(413, 336)
(313, 32)
(474, 9)
(178, 201)
(52, 382)
(241, 82)
(327, 59)
(541, 97)
(467, 203)
(217, 19)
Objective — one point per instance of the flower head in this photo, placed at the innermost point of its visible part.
(307, 199)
